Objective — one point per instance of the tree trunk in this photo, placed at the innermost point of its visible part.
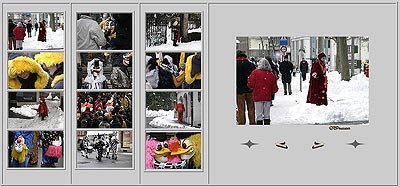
(320, 45)
(52, 22)
(343, 58)
(338, 65)
(185, 27)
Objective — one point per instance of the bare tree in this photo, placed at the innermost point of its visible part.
(52, 22)
(342, 58)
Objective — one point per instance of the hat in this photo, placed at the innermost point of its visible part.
(322, 54)
(50, 58)
(240, 54)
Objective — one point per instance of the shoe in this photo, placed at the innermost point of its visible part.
(290, 93)
(317, 145)
(285, 93)
(272, 104)
(260, 122)
(267, 121)
(282, 145)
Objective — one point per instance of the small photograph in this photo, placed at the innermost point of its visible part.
(173, 110)
(104, 31)
(36, 70)
(35, 149)
(104, 109)
(302, 80)
(36, 110)
(173, 32)
(35, 31)
(104, 149)
(173, 70)
(173, 150)
(104, 70)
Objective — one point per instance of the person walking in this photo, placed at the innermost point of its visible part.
(180, 108)
(286, 69)
(263, 82)
(244, 95)
(275, 71)
(318, 82)
(19, 33)
(11, 36)
(29, 29)
(36, 27)
(42, 31)
(303, 68)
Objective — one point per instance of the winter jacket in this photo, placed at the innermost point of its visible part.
(19, 33)
(286, 69)
(11, 27)
(38, 79)
(263, 84)
(42, 32)
(29, 27)
(319, 85)
(243, 70)
(43, 110)
(304, 66)
(89, 34)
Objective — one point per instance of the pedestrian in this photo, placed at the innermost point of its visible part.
(36, 27)
(303, 68)
(180, 108)
(19, 33)
(286, 69)
(318, 82)
(244, 97)
(43, 110)
(175, 28)
(263, 82)
(26, 73)
(89, 34)
(275, 71)
(120, 77)
(11, 36)
(22, 148)
(42, 31)
(29, 28)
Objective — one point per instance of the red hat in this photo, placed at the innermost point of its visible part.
(322, 54)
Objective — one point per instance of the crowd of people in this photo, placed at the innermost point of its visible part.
(112, 32)
(104, 110)
(24, 148)
(18, 31)
(105, 145)
(256, 85)
(165, 72)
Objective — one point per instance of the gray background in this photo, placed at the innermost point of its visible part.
(225, 160)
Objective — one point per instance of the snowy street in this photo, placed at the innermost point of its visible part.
(164, 119)
(348, 103)
(26, 117)
(55, 40)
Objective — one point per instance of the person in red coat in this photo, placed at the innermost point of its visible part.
(318, 82)
(98, 105)
(43, 110)
(263, 82)
(19, 33)
(180, 108)
(42, 31)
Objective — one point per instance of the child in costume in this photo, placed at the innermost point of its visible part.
(43, 110)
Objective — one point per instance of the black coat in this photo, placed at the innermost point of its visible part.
(29, 27)
(243, 71)
(304, 66)
(286, 69)
(11, 27)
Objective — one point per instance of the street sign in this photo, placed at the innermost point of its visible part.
(283, 49)
(283, 40)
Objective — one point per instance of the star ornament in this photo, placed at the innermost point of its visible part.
(249, 144)
(355, 143)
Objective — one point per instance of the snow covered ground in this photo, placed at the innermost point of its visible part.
(348, 101)
(55, 120)
(165, 119)
(168, 47)
(55, 40)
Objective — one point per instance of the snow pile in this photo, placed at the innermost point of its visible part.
(168, 122)
(348, 101)
(26, 110)
(198, 30)
(55, 40)
(190, 46)
(152, 113)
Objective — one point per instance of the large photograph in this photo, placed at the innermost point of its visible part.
(302, 80)
(173, 32)
(35, 31)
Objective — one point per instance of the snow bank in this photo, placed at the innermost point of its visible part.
(190, 46)
(347, 101)
(168, 122)
(26, 110)
(198, 30)
(152, 113)
(55, 40)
